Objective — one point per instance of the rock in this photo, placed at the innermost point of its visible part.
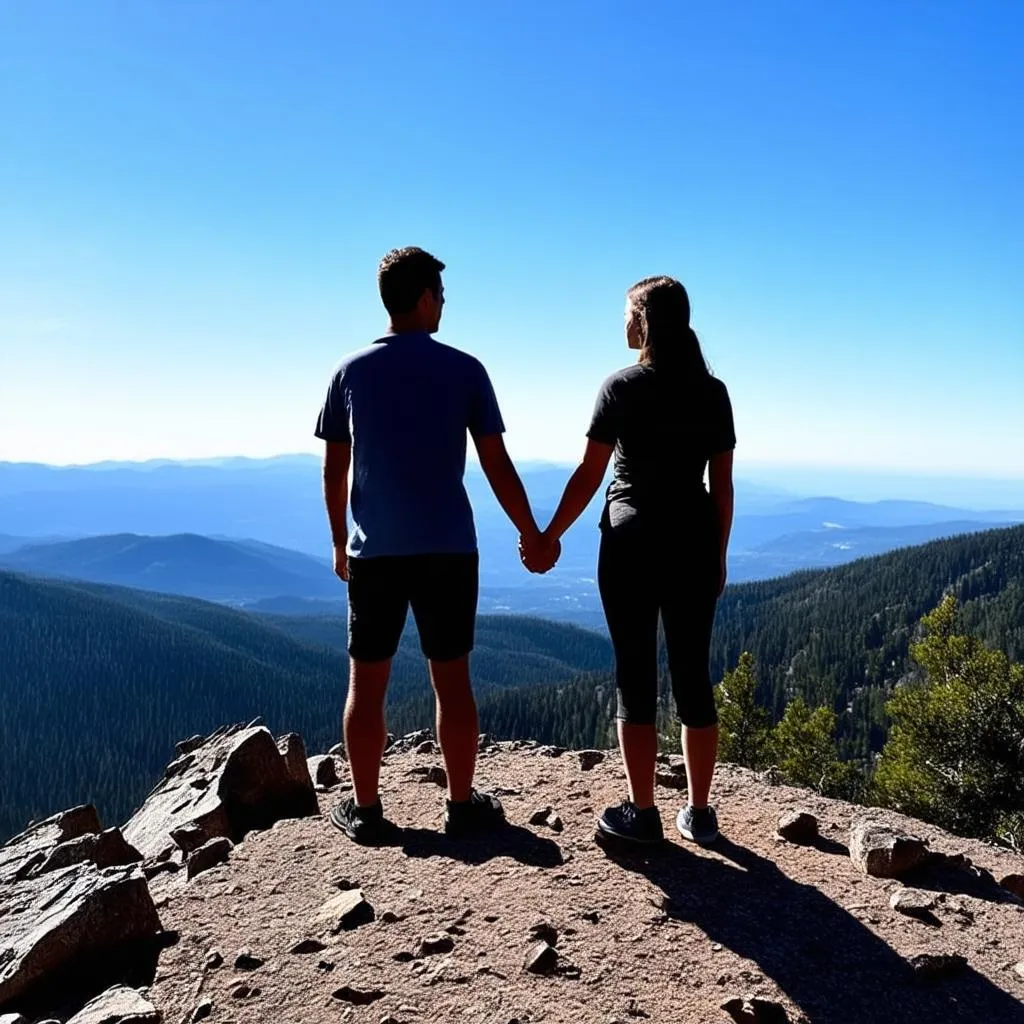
(913, 903)
(118, 1005)
(323, 770)
(544, 931)
(436, 944)
(936, 965)
(592, 916)
(346, 911)
(670, 780)
(1014, 883)
(52, 922)
(307, 946)
(483, 742)
(357, 996)
(106, 850)
(208, 855)
(437, 775)
(245, 961)
(338, 750)
(540, 817)
(12, 1018)
(880, 851)
(27, 851)
(187, 746)
(214, 960)
(590, 759)
(202, 1011)
(427, 747)
(550, 751)
(799, 827)
(555, 823)
(1019, 970)
(541, 958)
(235, 781)
(753, 1010)
(409, 742)
(152, 869)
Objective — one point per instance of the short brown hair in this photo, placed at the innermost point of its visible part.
(404, 275)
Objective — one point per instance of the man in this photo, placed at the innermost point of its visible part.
(398, 413)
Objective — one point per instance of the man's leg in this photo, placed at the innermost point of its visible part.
(365, 729)
(458, 728)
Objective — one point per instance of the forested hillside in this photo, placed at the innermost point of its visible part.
(96, 684)
(840, 637)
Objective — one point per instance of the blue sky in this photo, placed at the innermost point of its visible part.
(194, 196)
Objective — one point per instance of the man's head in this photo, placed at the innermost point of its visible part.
(410, 288)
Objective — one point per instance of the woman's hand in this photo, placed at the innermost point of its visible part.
(539, 552)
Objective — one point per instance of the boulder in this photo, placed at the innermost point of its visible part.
(235, 781)
(208, 855)
(106, 850)
(59, 921)
(323, 770)
(913, 903)
(933, 966)
(118, 1005)
(800, 827)
(881, 851)
(590, 759)
(22, 855)
(1014, 883)
(12, 1018)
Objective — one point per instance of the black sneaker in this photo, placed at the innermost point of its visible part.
(366, 825)
(628, 822)
(479, 813)
(699, 826)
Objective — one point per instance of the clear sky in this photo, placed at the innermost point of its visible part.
(194, 196)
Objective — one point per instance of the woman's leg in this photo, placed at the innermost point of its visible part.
(631, 609)
(688, 620)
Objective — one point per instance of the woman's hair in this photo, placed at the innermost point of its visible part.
(667, 341)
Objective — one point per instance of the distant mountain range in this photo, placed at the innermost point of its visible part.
(245, 531)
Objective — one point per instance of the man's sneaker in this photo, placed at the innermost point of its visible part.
(366, 825)
(700, 826)
(479, 813)
(631, 824)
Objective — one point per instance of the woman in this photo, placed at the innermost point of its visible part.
(663, 546)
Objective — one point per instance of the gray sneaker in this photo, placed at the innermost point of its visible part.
(699, 826)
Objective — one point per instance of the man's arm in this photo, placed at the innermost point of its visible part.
(337, 458)
(721, 488)
(505, 482)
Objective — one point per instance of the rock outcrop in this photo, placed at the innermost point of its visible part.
(234, 781)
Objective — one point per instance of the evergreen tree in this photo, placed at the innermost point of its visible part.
(955, 755)
(744, 725)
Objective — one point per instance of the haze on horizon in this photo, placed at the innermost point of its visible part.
(195, 198)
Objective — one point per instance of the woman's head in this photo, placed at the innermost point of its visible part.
(658, 325)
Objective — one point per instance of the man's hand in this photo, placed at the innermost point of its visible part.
(539, 552)
(341, 561)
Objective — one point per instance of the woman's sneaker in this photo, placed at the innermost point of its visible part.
(631, 824)
(700, 826)
(480, 813)
(366, 825)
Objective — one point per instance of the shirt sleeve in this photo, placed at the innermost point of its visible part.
(332, 423)
(723, 433)
(604, 424)
(484, 414)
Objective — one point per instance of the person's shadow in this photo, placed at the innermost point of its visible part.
(507, 841)
(833, 967)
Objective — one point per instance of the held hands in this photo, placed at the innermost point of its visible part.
(539, 552)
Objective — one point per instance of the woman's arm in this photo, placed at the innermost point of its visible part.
(580, 489)
(720, 484)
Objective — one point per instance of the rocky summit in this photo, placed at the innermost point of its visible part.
(229, 897)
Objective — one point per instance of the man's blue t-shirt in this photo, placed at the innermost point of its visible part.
(405, 405)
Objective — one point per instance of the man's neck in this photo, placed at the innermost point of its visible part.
(401, 325)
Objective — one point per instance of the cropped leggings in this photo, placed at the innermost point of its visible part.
(642, 576)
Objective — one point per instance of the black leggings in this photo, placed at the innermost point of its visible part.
(641, 575)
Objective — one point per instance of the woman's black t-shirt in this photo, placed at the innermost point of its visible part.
(664, 433)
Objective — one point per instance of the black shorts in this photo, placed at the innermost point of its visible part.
(441, 589)
(643, 576)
